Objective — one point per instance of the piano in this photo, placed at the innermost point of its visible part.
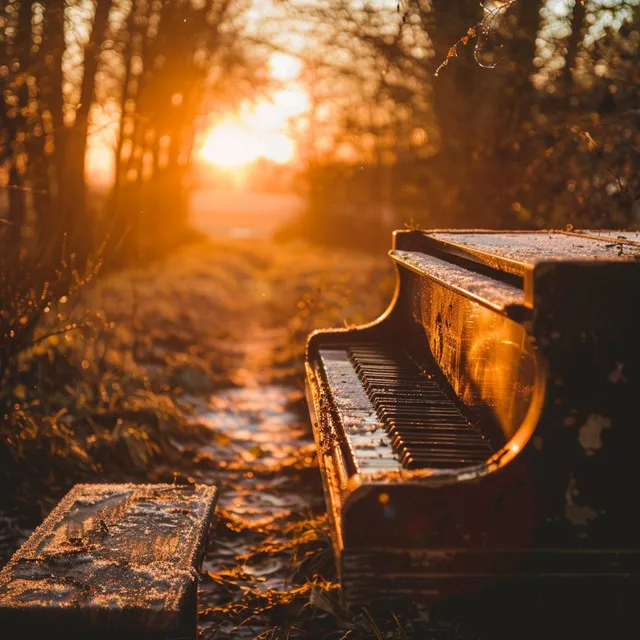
(485, 429)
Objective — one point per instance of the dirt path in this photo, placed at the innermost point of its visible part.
(262, 457)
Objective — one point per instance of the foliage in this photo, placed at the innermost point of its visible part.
(83, 404)
(457, 113)
(33, 290)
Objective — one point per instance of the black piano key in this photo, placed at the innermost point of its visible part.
(439, 463)
(409, 387)
(411, 409)
(453, 451)
(381, 366)
(405, 407)
(454, 456)
(450, 420)
(426, 429)
(384, 380)
(426, 440)
(415, 394)
(431, 431)
(425, 419)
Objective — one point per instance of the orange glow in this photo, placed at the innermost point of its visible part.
(100, 160)
(230, 145)
(100, 165)
(284, 67)
(259, 131)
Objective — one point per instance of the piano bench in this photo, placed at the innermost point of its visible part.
(111, 561)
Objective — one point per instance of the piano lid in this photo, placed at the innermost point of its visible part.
(499, 269)
(518, 252)
(490, 292)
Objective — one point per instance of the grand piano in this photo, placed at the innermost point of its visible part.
(485, 428)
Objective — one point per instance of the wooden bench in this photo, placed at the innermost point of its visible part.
(111, 561)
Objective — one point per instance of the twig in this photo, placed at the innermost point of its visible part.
(58, 332)
(15, 187)
(374, 626)
(400, 627)
(478, 31)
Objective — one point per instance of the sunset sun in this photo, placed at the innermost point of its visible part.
(262, 129)
(229, 144)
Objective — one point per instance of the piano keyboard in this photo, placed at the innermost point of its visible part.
(383, 388)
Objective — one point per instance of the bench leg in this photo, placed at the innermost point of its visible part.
(188, 629)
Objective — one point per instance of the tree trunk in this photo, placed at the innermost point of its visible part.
(49, 80)
(17, 211)
(117, 229)
(24, 32)
(573, 43)
(126, 54)
(78, 226)
(481, 112)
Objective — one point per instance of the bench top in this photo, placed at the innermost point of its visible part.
(111, 556)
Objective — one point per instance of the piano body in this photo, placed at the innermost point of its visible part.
(485, 426)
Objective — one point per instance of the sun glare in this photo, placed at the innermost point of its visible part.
(230, 145)
(100, 157)
(278, 147)
(284, 67)
(261, 129)
(100, 165)
(258, 131)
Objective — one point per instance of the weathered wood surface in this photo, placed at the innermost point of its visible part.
(112, 557)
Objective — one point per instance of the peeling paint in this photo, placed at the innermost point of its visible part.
(616, 375)
(590, 435)
(578, 515)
